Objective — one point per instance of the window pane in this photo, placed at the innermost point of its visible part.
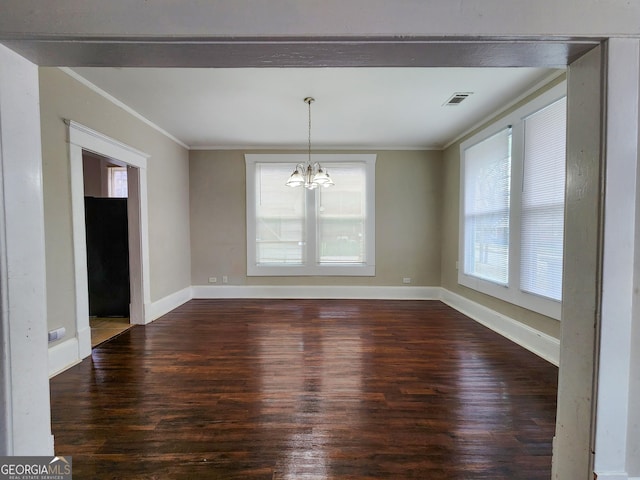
(280, 218)
(342, 216)
(486, 205)
(543, 202)
(117, 184)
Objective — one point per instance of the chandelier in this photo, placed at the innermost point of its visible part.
(311, 174)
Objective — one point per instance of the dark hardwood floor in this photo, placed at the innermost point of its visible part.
(283, 389)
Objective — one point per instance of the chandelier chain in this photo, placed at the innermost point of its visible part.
(309, 143)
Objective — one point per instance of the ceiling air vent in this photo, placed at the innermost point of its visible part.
(457, 98)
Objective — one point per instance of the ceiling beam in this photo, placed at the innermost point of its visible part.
(299, 52)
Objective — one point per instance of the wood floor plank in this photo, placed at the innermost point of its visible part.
(307, 389)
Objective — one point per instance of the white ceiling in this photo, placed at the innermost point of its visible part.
(382, 108)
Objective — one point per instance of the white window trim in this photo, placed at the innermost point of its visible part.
(364, 270)
(510, 293)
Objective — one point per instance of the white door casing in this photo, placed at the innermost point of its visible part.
(83, 138)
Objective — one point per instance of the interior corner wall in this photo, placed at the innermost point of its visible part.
(62, 97)
(451, 228)
(408, 209)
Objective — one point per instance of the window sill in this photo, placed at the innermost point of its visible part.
(311, 271)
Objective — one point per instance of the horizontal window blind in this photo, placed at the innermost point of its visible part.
(487, 176)
(512, 205)
(543, 201)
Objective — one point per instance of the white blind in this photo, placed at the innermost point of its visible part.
(280, 217)
(487, 175)
(342, 216)
(543, 201)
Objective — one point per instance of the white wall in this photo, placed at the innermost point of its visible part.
(614, 417)
(408, 221)
(63, 97)
(25, 428)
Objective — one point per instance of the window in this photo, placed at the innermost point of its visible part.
(117, 182)
(295, 231)
(512, 206)
(487, 187)
(543, 201)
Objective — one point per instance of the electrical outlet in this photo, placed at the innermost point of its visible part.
(213, 279)
(406, 280)
(56, 334)
(225, 279)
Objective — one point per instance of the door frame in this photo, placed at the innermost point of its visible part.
(84, 138)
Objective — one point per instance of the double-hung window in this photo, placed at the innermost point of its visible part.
(512, 206)
(296, 231)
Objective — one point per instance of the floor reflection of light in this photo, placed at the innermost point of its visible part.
(306, 455)
(311, 369)
(484, 412)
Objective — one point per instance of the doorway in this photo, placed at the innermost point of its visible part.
(107, 235)
(83, 142)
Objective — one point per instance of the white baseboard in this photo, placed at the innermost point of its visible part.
(62, 356)
(614, 476)
(165, 305)
(316, 291)
(540, 343)
(84, 342)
